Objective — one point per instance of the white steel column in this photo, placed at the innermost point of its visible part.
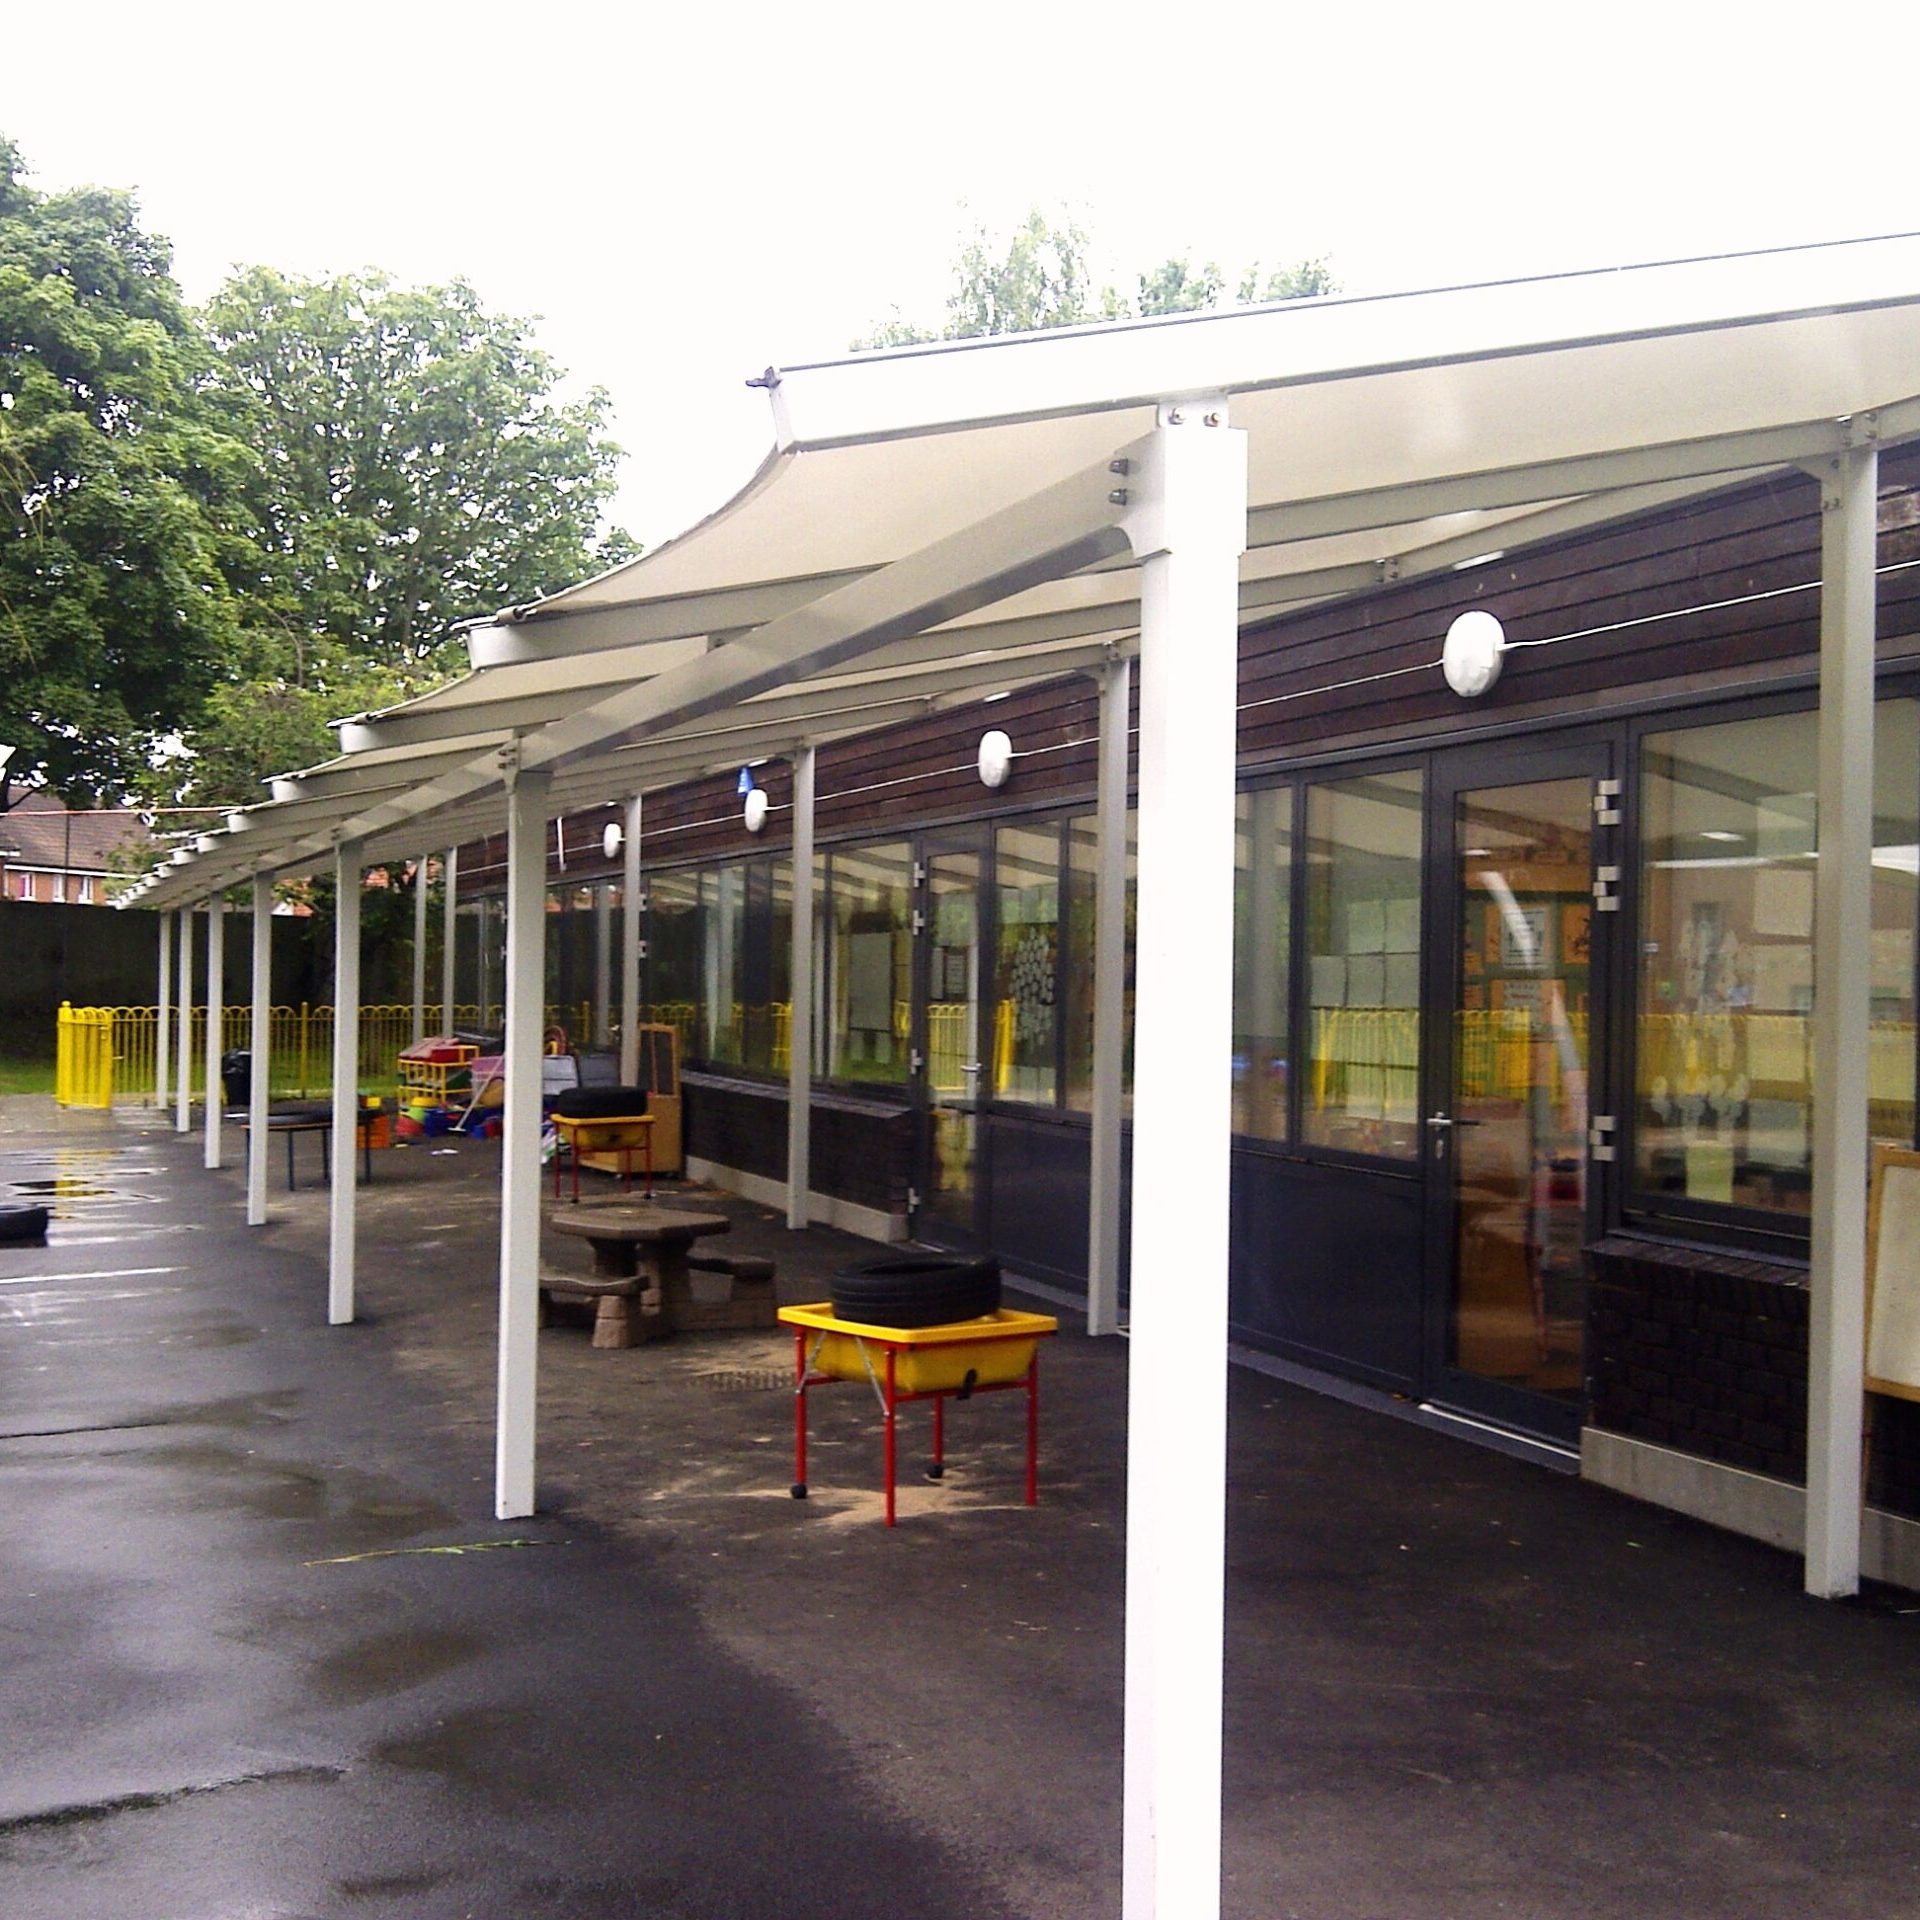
(420, 950)
(260, 1050)
(602, 964)
(520, 1149)
(183, 1053)
(1187, 520)
(1842, 949)
(216, 1019)
(630, 950)
(346, 1081)
(162, 1034)
(800, 998)
(1109, 1002)
(449, 943)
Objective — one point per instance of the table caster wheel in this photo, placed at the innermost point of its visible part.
(799, 1489)
(936, 1472)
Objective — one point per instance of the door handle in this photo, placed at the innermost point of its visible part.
(1447, 1120)
(969, 1066)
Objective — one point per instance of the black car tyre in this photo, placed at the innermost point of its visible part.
(22, 1224)
(917, 1290)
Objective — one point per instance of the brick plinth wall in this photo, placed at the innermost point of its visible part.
(862, 1149)
(1707, 1353)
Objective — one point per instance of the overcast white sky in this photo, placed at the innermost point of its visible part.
(687, 195)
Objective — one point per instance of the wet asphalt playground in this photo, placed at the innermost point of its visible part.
(265, 1653)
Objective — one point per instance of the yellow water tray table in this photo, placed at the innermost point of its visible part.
(954, 1360)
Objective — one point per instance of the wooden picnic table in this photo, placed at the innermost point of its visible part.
(627, 1238)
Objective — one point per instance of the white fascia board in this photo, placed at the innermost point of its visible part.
(949, 386)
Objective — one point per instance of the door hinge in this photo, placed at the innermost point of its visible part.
(917, 1059)
(645, 901)
(1606, 803)
(1606, 881)
(913, 1199)
(919, 921)
(640, 949)
(919, 873)
(1600, 1137)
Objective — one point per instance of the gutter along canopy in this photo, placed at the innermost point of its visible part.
(940, 522)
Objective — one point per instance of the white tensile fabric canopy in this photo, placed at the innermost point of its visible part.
(1385, 437)
(940, 522)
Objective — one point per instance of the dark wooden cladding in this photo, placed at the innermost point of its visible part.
(1669, 597)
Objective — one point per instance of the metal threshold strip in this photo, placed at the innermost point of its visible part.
(1550, 1454)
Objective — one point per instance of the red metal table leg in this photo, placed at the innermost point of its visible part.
(799, 1413)
(892, 1429)
(939, 1436)
(1033, 1429)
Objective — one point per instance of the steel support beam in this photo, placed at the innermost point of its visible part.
(1187, 523)
(162, 1033)
(183, 1102)
(420, 948)
(1842, 1011)
(216, 1020)
(1109, 1002)
(513, 1497)
(346, 1083)
(260, 1050)
(800, 999)
(630, 946)
(450, 940)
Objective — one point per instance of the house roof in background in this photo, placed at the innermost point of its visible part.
(39, 830)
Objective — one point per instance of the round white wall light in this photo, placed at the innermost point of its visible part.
(755, 810)
(996, 758)
(611, 839)
(1471, 656)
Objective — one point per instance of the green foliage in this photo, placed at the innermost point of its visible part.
(1043, 278)
(119, 485)
(416, 466)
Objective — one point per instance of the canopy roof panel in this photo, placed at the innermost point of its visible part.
(927, 524)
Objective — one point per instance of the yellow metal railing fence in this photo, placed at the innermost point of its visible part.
(83, 1057)
(299, 1046)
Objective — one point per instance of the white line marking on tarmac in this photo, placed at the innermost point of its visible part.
(106, 1273)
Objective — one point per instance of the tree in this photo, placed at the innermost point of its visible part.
(1043, 278)
(417, 466)
(120, 484)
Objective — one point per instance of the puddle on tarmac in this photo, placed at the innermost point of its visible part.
(464, 1746)
(388, 1661)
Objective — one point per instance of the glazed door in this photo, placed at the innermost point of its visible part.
(1523, 851)
(948, 1066)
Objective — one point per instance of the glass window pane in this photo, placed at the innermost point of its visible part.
(1363, 964)
(1262, 902)
(1083, 866)
(770, 1010)
(1723, 1076)
(1026, 941)
(672, 979)
(872, 986)
(723, 910)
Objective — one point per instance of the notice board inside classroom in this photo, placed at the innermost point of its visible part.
(1893, 1274)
